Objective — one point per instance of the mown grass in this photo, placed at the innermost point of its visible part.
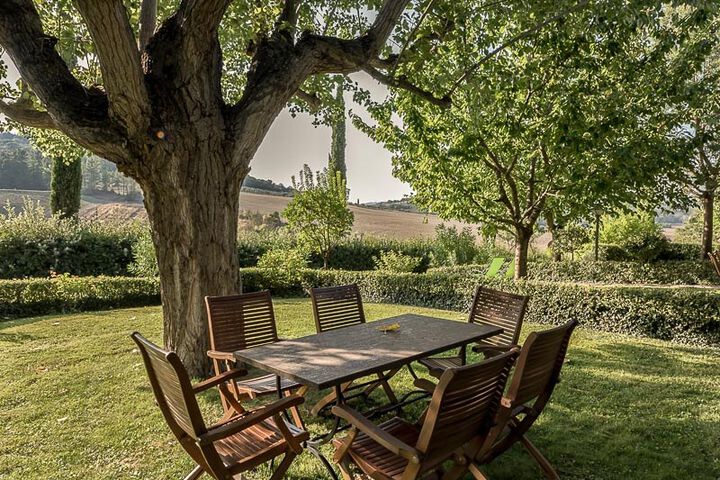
(75, 404)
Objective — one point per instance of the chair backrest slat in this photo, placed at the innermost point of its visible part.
(539, 364)
(241, 321)
(172, 388)
(499, 309)
(337, 307)
(464, 403)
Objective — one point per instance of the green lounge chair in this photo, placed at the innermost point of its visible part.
(510, 272)
(495, 267)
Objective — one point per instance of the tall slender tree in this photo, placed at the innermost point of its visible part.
(336, 159)
(65, 187)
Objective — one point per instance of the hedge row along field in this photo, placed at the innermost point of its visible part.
(684, 315)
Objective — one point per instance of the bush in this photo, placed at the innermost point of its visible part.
(452, 247)
(636, 234)
(671, 252)
(41, 296)
(397, 262)
(144, 262)
(34, 245)
(687, 315)
(284, 267)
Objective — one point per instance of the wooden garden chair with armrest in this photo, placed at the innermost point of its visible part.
(462, 408)
(238, 322)
(235, 445)
(339, 307)
(536, 374)
(489, 307)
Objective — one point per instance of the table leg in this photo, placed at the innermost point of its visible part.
(313, 445)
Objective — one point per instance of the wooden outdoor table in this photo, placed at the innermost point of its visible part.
(329, 359)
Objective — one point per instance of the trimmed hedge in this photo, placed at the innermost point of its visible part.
(670, 252)
(41, 296)
(684, 315)
(656, 273)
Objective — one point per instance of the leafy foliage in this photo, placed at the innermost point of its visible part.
(453, 247)
(390, 261)
(35, 245)
(636, 233)
(318, 213)
(65, 187)
(284, 267)
(570, 239)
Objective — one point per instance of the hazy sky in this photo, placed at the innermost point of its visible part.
(293, 142)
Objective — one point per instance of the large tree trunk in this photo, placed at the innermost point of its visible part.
(522, 247)
(708, 201)
(194, 223)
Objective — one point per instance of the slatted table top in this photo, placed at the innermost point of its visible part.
(331, 358)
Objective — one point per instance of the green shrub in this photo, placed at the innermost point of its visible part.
(453, 247)
(671, 252)
(284, 267)
(35, 245)
(687, 315)
(144, 262)
(41, 296)
(637, 234)
(397, 262)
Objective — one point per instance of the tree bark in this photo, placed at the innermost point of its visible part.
(708, 202)
(522, 247)
(194, 226)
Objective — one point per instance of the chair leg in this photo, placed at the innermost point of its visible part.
(543, 462)
(476, 473)
(297, 419)
(195, 474)
(345, 469)
(284, 465)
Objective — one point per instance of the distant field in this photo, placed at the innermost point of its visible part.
(388, 223)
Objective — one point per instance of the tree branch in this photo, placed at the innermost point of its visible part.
(402, 82)
(511, 42)
(117, 50)
(24, 113)
(311, 99)
(79, 112)
(200, 17)
(148, 22)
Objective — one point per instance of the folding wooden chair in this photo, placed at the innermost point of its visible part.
(243, 321)
(462, 408)
(536, 374)
(340, 307)
(224, 450)
(489, 307)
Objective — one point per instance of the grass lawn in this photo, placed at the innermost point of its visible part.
(75, 403)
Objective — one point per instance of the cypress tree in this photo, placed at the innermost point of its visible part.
(336, 159)
(65, 185)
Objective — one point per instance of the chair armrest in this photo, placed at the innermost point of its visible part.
(478, 348)
(393, 444)
(424, 384)
(218, 379)
(237, 424)
(218, 355)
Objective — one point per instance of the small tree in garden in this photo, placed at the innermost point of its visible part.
(570, 239)
(319, 213)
